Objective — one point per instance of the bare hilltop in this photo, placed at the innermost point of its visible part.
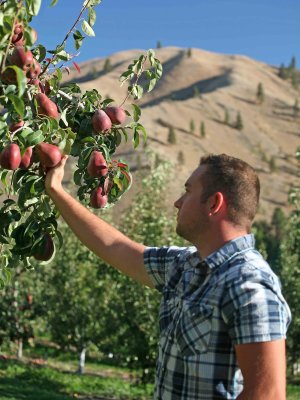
(199, 98)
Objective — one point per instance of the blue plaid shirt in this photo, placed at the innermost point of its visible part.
(208, 306)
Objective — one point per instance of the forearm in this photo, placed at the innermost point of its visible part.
(100, 237)
(264, 394)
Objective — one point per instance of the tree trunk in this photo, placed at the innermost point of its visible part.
(20, 349)
(81, 361)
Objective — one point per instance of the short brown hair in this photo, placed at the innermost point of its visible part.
(237, 181)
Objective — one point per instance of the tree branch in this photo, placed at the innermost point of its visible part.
(66, 37)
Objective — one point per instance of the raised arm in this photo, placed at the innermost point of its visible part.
(101, 238)
(263, 368)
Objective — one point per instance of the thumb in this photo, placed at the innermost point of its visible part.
(63, 160)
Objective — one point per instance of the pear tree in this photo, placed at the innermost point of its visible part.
(42, 118)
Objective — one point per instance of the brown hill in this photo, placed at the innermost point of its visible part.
(200, 88)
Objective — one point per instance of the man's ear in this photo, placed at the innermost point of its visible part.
(215, 203)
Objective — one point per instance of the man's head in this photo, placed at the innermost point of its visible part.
(222, 188)
(237, 181)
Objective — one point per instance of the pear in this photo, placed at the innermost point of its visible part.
(21, 58)
(101, 122)
(10, 157)
(34, 70)
(98, 198)
(46, 248)
(48, 154)
(116, 114)
(18, 39)
(46, 106)
(97, 165)
(9, 76)
(35, 82)
(27, 159)
(19, 28)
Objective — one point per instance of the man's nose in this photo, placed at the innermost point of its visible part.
(177, 203)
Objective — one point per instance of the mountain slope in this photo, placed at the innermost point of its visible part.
(201, 88)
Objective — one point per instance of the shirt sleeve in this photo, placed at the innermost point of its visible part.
(254, 308)
(158, 262)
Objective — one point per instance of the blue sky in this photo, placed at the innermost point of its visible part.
(266, 30)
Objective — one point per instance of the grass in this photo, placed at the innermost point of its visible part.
(25, 381)
(20, 381)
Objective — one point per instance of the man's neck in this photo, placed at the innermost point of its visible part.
(217, 238)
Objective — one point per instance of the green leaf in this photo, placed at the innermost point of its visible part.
(77, 35)
(58, 74)
(159, 69)
(21, 79)
(53, 3)
(126, 75)
(77, 177)
(92, 2)
(152, 84)
(78, 43)
(60, 239)
(136, 112)
(141, 128)
(91, 16)
(3, 177)
(18, 104)
(119, 183)
(137, 91)
(87, 28)
(136, 138)
(34, 138)
(63, 116)
(151, 56)
(39, 52)
(33, 6)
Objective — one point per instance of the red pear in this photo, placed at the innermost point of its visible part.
(9, 76)
(35, 81)
(46, 106)
(16, 125)
(101, 122)
(27, 159)
(19, 28)
(46, 249)
(23, 59)
(17, 39)
(34, 70)
(97, 165)
(48, 154)
(98, 198)
(116, 114)
(10, 157)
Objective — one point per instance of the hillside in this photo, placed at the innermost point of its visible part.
(200, 88)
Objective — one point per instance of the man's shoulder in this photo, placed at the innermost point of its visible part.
(250, 266)
(170, 252)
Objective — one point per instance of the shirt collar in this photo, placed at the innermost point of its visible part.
(229, 250)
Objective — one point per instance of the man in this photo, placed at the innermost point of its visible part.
(223, 319)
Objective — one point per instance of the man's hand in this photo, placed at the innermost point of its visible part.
(55, 176)
(103, 239)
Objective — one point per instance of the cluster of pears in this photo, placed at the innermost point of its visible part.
(102, 122)
(48, 155)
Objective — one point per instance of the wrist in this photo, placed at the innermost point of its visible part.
(54, 189)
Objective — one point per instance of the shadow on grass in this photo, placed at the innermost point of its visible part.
(17, 384)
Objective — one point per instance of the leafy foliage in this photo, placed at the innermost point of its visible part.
(28, 214)
(290, 274)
